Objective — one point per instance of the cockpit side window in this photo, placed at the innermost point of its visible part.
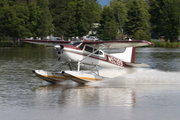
(89, 49)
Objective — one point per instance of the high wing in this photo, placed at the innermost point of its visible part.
(117, 44)
(44, 42)
(95, 44)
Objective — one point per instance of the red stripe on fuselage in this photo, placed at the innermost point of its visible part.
(107, 58)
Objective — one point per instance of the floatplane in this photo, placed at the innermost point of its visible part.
(84, 58)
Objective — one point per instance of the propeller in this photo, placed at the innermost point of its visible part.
(59, 49)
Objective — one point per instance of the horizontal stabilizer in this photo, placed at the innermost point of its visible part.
(137, 64)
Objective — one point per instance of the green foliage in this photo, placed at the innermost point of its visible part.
(20, 20)
(165, 18)
(110, 31)
(77, 19)
(14, 20)
(92, 11)
(171, 21)
(120, 13)
(40, 18)
(59, 12)
(45, 26)
(142, 35)
(74, 17)
(167, 44)
(156, 15)
(72, 31)
(34, 18)
(81, 19)
(108, 25)
(119, 8)
(138, 16)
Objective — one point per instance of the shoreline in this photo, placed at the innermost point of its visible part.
(157, 44)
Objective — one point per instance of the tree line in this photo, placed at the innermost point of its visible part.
(67, 18)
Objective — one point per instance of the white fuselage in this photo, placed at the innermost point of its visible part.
(77, 55)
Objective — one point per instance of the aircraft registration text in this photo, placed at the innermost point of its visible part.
(115, 61)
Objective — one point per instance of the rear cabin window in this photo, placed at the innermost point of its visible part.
(98, 52)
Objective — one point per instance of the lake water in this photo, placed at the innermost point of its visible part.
(137, 94)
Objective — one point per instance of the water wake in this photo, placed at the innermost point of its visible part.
(138, 76)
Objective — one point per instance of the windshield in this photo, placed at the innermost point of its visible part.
(75, 43)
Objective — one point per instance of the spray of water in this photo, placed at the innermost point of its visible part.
(137, 76)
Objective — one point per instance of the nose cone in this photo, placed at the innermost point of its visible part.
(59, 50)
(57, 47)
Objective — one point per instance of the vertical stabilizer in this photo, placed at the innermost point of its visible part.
(128, 55)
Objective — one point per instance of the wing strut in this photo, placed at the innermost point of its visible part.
(96, 67)
(102, 47)
(79, 62)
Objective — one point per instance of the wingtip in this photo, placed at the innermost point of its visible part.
(149, 43)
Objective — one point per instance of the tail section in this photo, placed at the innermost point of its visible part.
(128, 55)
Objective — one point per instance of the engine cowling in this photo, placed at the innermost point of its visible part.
(59, 49)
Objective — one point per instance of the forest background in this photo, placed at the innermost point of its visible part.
(139, 19)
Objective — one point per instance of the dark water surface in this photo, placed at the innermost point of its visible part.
(138, 94)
